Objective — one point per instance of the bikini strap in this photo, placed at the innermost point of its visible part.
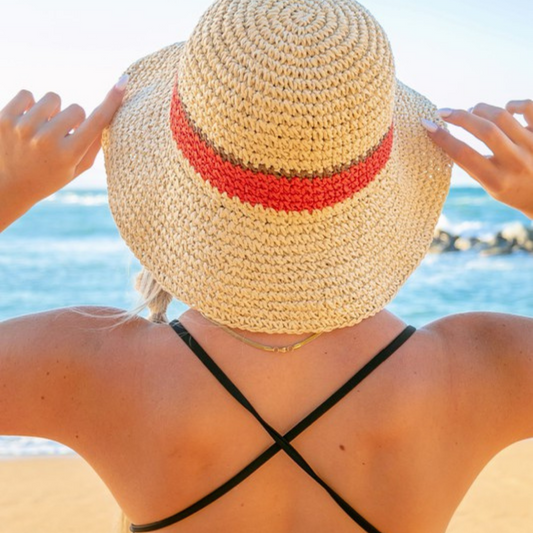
(281, 441)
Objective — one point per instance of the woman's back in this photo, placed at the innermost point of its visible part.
(273, 174)
(402, 448)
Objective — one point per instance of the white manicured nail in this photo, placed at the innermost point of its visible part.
(445, 112)
(430, 126)
(122, 82)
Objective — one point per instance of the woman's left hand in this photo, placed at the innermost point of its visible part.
(507, 175)
(38, 155)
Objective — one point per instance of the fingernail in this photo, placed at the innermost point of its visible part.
(122, 82)
(471, 109)
(445, 112)
(430, 126)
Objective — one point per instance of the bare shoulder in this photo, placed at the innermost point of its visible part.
(504, 339)
(86, 334)
(68, 362)
(76, 323)
(483, 320)
(106, 345)
(67, 333)
(491, 356)
(104, 327)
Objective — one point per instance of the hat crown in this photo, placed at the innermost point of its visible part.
(293, 89)
(213, 156)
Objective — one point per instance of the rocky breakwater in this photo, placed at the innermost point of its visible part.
(512, 238)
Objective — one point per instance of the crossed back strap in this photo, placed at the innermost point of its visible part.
(281, 442)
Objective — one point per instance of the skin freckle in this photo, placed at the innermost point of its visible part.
(341, 446)
(42, 397)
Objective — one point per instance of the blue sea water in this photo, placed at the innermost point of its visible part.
(67, 251)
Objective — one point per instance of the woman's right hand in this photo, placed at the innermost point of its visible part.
(507, 175)
(39, 155)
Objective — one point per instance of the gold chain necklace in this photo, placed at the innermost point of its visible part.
(266, 347)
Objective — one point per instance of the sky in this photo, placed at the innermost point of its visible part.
(456, 52)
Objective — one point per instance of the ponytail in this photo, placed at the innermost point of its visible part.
(154, 297)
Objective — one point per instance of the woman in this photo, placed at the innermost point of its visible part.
(291, 193)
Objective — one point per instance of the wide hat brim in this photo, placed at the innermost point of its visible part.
(256, 268)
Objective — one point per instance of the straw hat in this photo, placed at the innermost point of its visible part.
(272, 172)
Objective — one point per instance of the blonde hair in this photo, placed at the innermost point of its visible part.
(154, 297)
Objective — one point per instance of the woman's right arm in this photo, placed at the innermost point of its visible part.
(44, 368)
(499, 347)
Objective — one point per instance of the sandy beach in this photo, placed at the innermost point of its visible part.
(64, 495)
(54, 495)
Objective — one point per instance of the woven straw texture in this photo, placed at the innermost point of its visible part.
(272, 172)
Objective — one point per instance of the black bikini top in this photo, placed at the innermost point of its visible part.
(281, 442)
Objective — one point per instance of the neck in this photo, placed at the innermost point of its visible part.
(274, 339)
(381, 321)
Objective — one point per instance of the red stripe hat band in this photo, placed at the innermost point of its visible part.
(279, 193)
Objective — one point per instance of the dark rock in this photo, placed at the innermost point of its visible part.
(502, 247)
(519, 232)
(443, 242)
(514, 237)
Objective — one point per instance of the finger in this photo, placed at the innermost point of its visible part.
(506, 122)
(91, 129)
(485, 130)
(88, 159)
(69, 119)
(478, 167)
(18, 105)
(47, 107)
(522, 107)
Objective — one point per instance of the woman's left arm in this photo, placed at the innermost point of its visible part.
(39, 155)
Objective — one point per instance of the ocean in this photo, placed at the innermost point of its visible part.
(67, 251)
